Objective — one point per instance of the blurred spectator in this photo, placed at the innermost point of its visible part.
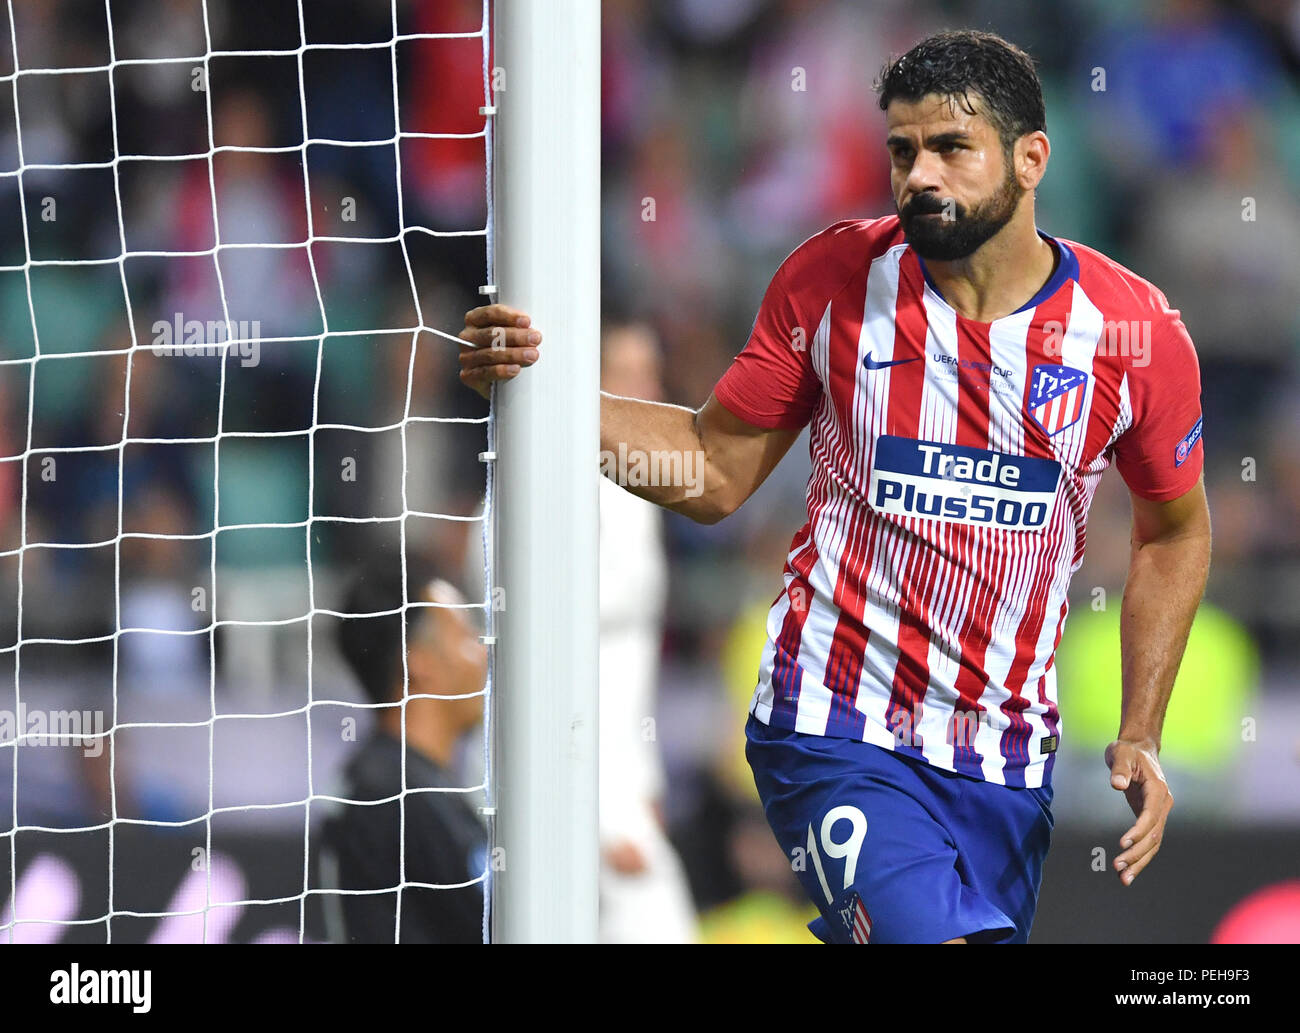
(159, 593)
(445, 843)
(644, 897)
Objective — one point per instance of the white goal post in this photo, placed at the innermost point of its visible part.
(547, 262)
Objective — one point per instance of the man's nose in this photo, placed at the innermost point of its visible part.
(923, 175)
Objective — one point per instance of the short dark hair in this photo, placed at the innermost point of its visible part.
(958, 63)
(372, 646)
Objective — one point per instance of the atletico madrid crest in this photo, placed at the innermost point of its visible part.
(1056, 395)
(856, 920)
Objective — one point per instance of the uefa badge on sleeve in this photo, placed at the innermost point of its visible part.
(1184, 448)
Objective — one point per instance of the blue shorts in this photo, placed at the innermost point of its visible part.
(894, 850)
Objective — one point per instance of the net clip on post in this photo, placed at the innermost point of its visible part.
(489, 291)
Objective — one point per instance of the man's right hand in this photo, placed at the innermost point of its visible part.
(729, 457)
(500, 344)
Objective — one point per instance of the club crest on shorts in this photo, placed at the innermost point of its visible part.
(1056, 396)
(856, 920)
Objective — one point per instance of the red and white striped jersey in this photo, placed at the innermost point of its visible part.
(953, 465)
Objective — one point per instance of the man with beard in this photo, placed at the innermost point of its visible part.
(968, 378)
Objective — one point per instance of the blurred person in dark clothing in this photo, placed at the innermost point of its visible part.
(445, 842)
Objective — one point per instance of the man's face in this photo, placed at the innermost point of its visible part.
(446, 656)
(953, 186)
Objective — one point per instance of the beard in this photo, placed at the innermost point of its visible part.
(941, 239)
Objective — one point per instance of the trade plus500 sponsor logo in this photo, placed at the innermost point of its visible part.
(962, 485)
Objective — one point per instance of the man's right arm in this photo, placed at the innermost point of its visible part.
(728, 458)
(725, 457)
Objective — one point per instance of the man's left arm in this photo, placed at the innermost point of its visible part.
(1168, 566)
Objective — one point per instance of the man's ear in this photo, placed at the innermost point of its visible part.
(1031, 154)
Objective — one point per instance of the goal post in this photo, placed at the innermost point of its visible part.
(546, 161)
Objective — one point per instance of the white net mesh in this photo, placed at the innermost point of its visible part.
(238, 240)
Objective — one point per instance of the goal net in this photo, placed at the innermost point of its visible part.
(238, 241)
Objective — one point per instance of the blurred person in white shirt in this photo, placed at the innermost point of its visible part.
(644, 897)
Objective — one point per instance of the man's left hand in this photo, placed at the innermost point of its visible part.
(1135, 770)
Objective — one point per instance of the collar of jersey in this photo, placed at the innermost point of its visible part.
(1067, 268)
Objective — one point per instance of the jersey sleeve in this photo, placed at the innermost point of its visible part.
(1160, 456)
(771, 382)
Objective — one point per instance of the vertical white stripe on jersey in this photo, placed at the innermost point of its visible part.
(823, 423)
(939, 393)
(882, 539)
(1079, 350)
(1079, 347)
(1007, 349)
(819, 624)
(875, 339)
(1125, 420)
(949, 596)
(765, 693)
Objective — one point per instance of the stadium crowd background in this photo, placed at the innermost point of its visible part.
(733, 129)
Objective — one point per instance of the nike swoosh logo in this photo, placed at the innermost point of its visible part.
(871, 363)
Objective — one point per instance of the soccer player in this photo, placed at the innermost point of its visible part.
(445, 843)
(968, 378)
